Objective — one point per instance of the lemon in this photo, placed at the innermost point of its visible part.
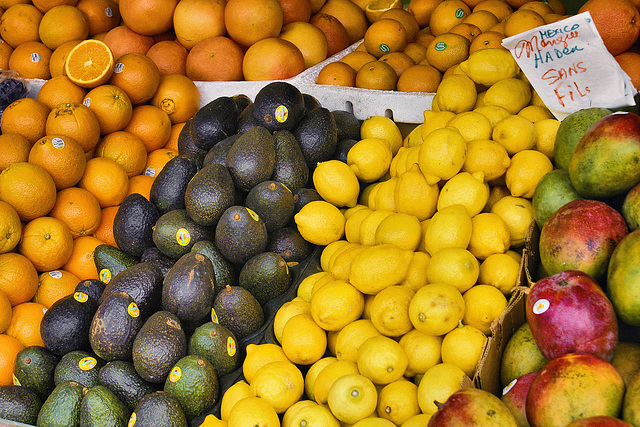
(435, 120)
(382, 359)
(419, 420)
(341, 266)
(213, 421)
(350, 211)
(436, 308)
(379, 267)
(258, 355)
(398, 163)
(384, 128)
(480, 100)
(442, 154)
(368, 299)
(511, 93)
(327, 376)
(488, 66)
(414, 137)
(413, 154)
(417, 272)
(400, 229)
(414, 195)
(320, 223)
(454, 266)
(336, 183)
(536, 113)
(313, 372)
(515, 133)
(526, 169)
(363, 199)
(483, 304)
(280, 384)
(456, 93)
(488, 157)
(352, 225)
(494, 113)
(321, 282)
(352, 398)
(471, 125)
(328, 252)
(398, 401)
(546, 130)
(309, 414)
(437, 384)
(370, 159)
(463, 347)
(303, 341)
(373, 422)
(449, 227)
(424, 224)
(385, 195)
(305, 287)
(286, 311)
(500, 271)
(422, 350)
(252, 411)
(338, 251)
(496, 193)
(352, 336)
(489, 235)
(231, 396)
(369, 225)
(336, 304)
(390, 310)
(466, 189)
(517, 213)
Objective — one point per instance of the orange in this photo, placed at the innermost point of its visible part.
(178, 96)
(60, 89)
(61, 156)
(102, 15)
(124, 148)
(488, 39)
(295, 10)
(9, 349)
(499, 27)
(350, 15)
(170, 57)
(13, 148)
(81, 262)
(45, 5)
(157, 159)
(374, 9)
(10, 228)
(151, 125)
(54, 285)
(419, 78)
(141, 184)
(337, 74)
(272, 59)
(335, 33)
(46, 242)
(137, 75)
(550, 18)
(29, 189)
(424, 37)
(559, 7)
(78, 209)
(422, 10)
(26, 116)
(77, 121)
(469, 31)
(31, 60)
(172, 143)
(122, 39)
(196, 20)
(521, 21)
(106, 180)
(541, 7)
(25, 323)
(617, 21)
(248, 21)
(89, 63)
(59, 57)
(499, 8)
(384, 36)
(19, 24)
(309, 39)
(630, 64)
(18, 278)
(148, 17)
(215, 58)
(61, 24)
(376, 75)
(105, 228)
(357, 59)
(446, 15)
(447, 50)
(5, 54)
(399, 61)
(406, 19)
(111, 106)
(5, 312)
(483, 19)
(415, 51)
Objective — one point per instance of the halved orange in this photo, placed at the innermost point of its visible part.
(375, 8)
(89, 64)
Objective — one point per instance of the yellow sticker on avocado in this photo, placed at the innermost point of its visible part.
(133, 310)
(87, 363)
(214, 316)
(132, 420)
(282, 113)
(253, 214)
(15, 380)
(80, 297)
(231, 346)
(183, 237)
(105, 275)
(175, 374)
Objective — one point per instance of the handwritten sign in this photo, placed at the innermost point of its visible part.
(569, 66)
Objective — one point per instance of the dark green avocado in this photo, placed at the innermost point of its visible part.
(318, 136)
(302, 196)
(186, 145)
(209, 193)
(121, 378)
(62, 407)
(347, 125)
(289, 244)
(65, 325)
(344, 145)
(175, 233)
(223, 269)
(157, 258)
(141, 281)
(193, 382)
(19, 404)
(218, 153)
(133, 224)
(310, 102)
(265, 275)
(278, 106)
(291, 167)
(92, 287)
(101, 408)
(273, 202)
(168, 188)
(251, 159)
(218, 345)
(238, 311)
(213, 122)
(111, 261)
(33, 369)
(158, 409)
(78, 366)
(240, 234)
(246, 120)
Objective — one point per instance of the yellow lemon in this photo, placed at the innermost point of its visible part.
(313, 372)
(515, 133)
(500, 271)
(442, 154)
(352, 225)
(320, 223)
(422, 350)
(466, 189)
(327, 376)
(369, 225)
(546, 130)
(413, 154)
(483, 304)
(436, 308)
(471, 125)
(417, 271)
(384, 128)
(489, 235)
(419, 420)
(341, 265)
(379, 267)
(414, 195)
(328, 252)
(526, 169)
(414, 137)
(400, 229)
(390, 310)
(463, 347)
(488, 157)
(435, 120)
(258, 355)
(456, 93)
(480, 100)
(437, 384)
(535, 113)
(303, 341)
(494, 113)
(350, 211)
(336, 304)
(385, 196)
(382, 360)
(352, 398)
(351, 337)
(337, 253)
(309, 414)
(370, 159)
(454, 266)
(321, 282)
(231, 396)
(363, 199)
(213, 421)
(252, 411)
(449, 227)
(496, 193)
(306, 292)
(337, 183)
(373, 421)
(287, 311)
(398, 401)
(280, 384)
(488, 66)
(398, 163)
(517, 213)
(511, 93)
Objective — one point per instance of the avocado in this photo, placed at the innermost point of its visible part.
(347, 125)
(101, 408)
(186, 145)
(160, 343)
(62, 407)
(302, 196)
(218, 345)
(168, 188)
(223, 269)
(240, 234)
(141, 281)
(318, 136)
(110, 261)
(65, 325)
(189, 288)
(278, 105)
(33, 369)
(114, 327)
(241, 101)
(238, 311)
(79, 366)
(213, 122)
(265, 275)
(19, 404)
(157, 258)
(291, 167)
(310, 102)
(246, 120)
(251, 159)
(175, 233)
(92, 287)
(193, 382)
(289, 244)
(133, 224)
(342, 149)
(218, 153)
(121, 378)
(158, 410)
(273, 202)
(209, 193)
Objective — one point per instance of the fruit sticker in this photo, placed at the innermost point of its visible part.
(282, 113)
(56, 274)
(87, 102)
(459, 13)
(105, 275)
(57, 143)
(118, 68)
(150, 171)
(175, 374)
(81, 297)
(183, 237)
(253, 214)
(35, 57)
(132, 420)
(440, 46)
(509, 386)
(291, 264)
(15, 380)
(87, 363)
(231, 346)
(214, 316)
(385, 48)
(133, 310)
(541, 306)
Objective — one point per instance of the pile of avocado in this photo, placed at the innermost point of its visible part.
(199, 271)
